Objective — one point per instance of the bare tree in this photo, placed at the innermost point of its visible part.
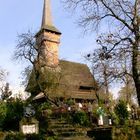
(25, 49)
(28, 50)
(127, 93)
(123, 18)
(3, 74)
(25, 74)
(102, 65)
(107, 66)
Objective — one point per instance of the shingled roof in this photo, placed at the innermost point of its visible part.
(76, 74)
(72, 76)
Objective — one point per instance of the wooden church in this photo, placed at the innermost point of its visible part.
(58, 78)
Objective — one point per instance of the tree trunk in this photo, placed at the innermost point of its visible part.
(137, 85)
(135, 69)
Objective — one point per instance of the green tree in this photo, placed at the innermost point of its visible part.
(3, 112)
(6, 92)
(123, 18)
(121, 112)
(14, 113)
(4, 85)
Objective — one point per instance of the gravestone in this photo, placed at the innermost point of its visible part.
(29, 125)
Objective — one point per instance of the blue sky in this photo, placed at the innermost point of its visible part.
(18, 16)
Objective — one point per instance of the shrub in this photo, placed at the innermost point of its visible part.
(40, 108)
(95, 117)
(137, 131)
(13, 116)
(121, 112)
(81, 118)
(19, 136)
(3, 112)
(33, 137)
(124, 133)
(45, 105)
(14, 136)
(50, 138)
(70, 102)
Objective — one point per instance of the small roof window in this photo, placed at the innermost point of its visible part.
(85, 88)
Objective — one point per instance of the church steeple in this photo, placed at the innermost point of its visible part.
(47, 15)
(48, 38)
(47, 22)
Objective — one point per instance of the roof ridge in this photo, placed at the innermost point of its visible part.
(72, 62)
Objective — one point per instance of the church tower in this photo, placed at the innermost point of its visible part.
(48, 38)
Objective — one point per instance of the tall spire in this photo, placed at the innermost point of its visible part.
(47, 15)
(47, 22)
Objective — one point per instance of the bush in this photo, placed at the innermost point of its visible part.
(13, 116)
(137, 131)
(3, 112)
(50, 138)
(81, 118)
(70, 102)
(40, 108)
(19, 136)
(124, 133)
(45, 105)
(33, 137)
(121, 112)
(14, 136)
(95, 117)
